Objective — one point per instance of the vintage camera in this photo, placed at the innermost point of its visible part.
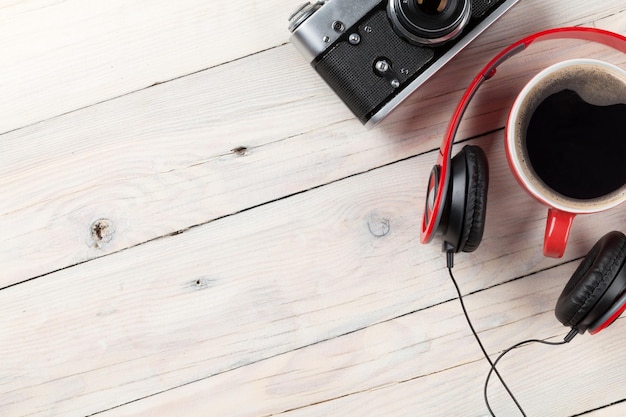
(374, 53)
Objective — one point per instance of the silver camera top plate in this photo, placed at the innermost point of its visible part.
(325, 24)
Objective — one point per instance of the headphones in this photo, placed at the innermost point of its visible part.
(456, 206)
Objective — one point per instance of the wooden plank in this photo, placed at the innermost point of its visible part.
(94, 51)
(252, 286)
(452, 392)
(426, 363)
(161, 160)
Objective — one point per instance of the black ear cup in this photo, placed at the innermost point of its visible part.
(466, 202)
(596, 286)
(475, 198)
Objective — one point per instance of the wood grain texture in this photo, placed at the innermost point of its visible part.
(231, 242)
(425, 363)
(59, 56)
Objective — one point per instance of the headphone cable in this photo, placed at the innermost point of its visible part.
(493, 368)
(567, 339)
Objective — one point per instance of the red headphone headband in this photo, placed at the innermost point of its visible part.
(440, 177)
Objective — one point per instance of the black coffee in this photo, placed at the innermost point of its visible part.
(576, 148)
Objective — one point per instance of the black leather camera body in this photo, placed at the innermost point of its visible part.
(374, 53)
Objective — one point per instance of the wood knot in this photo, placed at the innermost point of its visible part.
(102, 231)
(378, 226)
(201, 283)
(240, 150)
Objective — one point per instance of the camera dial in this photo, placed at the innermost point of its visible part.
(303, 12)
(429, 22)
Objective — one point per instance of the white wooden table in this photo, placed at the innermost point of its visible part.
(193, 224)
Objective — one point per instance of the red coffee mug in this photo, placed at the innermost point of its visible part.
(568, 171)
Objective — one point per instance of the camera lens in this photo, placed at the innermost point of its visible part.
(431, 6)
(429, 22)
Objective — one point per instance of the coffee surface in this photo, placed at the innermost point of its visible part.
(576, 148)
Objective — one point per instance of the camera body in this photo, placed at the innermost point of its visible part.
(374, 53)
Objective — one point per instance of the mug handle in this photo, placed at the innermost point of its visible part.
(557, 231)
